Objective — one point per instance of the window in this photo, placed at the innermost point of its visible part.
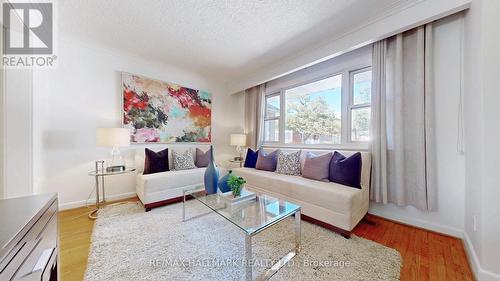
(313, 112)
(333, 111)
(272, 118)
(361, 93)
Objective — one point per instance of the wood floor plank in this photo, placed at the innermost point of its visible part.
(426, 255)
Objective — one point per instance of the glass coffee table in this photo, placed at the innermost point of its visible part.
(252, 217)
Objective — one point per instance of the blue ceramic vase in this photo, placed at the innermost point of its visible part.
(211, 174)
(223, 186)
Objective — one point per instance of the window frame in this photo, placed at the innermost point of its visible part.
(265, 118)
(351, 104)
(346, 96)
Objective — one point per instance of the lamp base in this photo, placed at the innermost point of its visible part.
(112, 169)
(115, 163)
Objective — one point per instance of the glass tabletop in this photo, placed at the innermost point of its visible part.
(105, 173)
(251, 216)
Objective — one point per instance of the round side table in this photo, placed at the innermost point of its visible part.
(99, 183)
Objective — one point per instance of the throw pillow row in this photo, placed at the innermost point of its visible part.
(157, 162)
(333, 167)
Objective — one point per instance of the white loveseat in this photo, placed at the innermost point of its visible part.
(326, 203)
(160, 189)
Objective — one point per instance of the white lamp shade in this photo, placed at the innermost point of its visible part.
(113, 137)
(238, 139)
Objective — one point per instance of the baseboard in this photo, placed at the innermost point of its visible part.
(479, 272)
(471, 255)
(485, 275)
(82, 203)
(451, 231)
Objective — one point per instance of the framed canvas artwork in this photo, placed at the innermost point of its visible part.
(162, 112)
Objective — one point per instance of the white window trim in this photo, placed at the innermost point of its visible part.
(346, 106)
(352, 106)
(265, 118)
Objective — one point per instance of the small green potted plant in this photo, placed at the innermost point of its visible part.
(236, 184)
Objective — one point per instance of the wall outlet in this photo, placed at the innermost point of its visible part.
(474, 222)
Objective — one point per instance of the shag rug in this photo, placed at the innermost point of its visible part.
(130, 244)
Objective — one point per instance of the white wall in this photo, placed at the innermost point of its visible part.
(2, 119)
(473, 104)
(84, 93)
(449, 216)
(18, 131)
(490, 216)
(482, 119)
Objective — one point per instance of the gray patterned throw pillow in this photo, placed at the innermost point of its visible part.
(183, 161)
(288, 163)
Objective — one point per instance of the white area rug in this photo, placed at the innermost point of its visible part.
(130, 244)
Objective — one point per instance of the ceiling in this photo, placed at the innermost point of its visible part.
(220, 39)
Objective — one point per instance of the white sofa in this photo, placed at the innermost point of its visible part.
(330, 204)
(160, 189)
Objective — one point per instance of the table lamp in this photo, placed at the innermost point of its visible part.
(238, 140)
(114, 138)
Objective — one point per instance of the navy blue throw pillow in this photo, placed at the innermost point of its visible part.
(346, 171)
(251, 158)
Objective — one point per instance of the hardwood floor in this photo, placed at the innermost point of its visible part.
(75, 231)
(426, 255)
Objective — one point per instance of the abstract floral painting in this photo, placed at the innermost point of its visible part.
(162, 112)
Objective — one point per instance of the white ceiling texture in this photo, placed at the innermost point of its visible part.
(223, 40)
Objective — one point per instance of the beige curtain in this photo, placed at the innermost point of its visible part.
(402, 117)
(253, 115)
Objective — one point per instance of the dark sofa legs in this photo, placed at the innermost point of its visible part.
(346, 235)
(368, 220)
(150, 206)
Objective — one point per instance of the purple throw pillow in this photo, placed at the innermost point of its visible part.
(155, 162)
(251, 158)
(202, 158)
(317, 167)
(346, 171)
(267, 162)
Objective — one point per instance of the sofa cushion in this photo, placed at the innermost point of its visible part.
(329, 195)
(183, 161)
(155, 162)
(346, 170)
(251, 158)
(171, 179)
(267, 161)
(288, 163)
(317, 167)
(202, 158)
